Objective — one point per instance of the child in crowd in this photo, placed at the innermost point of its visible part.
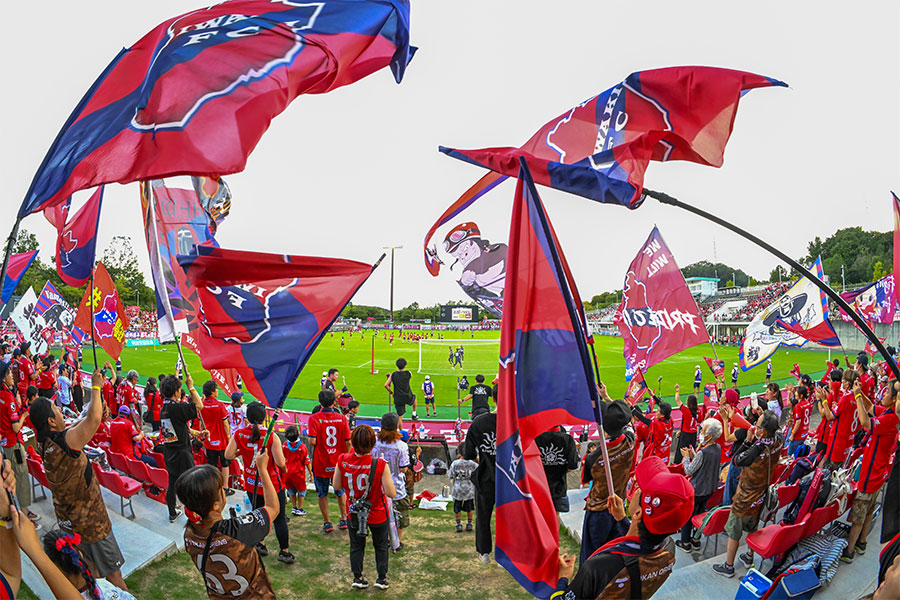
(296, 458)
(352, 410)
(463, 490)
(62, 549)
(198, 451)
(591, 446)
(223, 549)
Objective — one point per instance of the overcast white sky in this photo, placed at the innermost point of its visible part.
(346, 173)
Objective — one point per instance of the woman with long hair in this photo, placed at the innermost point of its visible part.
(245, 443)
(690, 416)
(356, 471)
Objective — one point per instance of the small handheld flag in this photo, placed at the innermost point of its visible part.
(637, 387)
(715, 365)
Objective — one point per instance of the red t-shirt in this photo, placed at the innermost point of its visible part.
(659, 439)
(688, 421)
(355, 470)
(296, 460)
(878, 456)
(843, 428)
(109, 396)
(737, 422)
(826, 427)
(331, 432)
(246, 450)
(26, 370)
(214, 415)
(121, 437)
(801, 414)
(154, 403)
(9, 414)
(46, 380)
(867, 383)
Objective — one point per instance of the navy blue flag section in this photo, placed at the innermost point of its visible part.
(264, 314)
(545, 379)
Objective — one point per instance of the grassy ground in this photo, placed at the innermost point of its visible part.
(354, 363)
(435, 563)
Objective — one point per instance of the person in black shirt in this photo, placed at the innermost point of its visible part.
(481, 443)
(559, 455)
(480, 395)
(402, 392)
(175, 435)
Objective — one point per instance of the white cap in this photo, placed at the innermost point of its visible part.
(324, 373)
(427, 378)
(697, 367)
(735, 364)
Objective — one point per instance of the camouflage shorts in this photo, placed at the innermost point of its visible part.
(863, 505)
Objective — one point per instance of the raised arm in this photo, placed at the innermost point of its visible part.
(677, 395)
(387, 384)
(863, 406)
(82, 432)
(269, 494)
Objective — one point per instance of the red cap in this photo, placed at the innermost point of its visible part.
(732, 397)
(667, 499)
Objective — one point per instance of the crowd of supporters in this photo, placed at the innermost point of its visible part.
(141, 321)
(664, 465)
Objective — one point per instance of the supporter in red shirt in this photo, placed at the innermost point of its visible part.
(215, 417)
(830, 395)
(27, 370)
(844, 424)
(46, 377)
(690, 415)
(352, 472)
(296, 457)
(245, 443)
(876, 462)
(198, 451)
(730, 419)
(130, 395)
(329, 436)
(801, 411)
(153, 400)
(11, 440)
(659, 435)
(125, 438)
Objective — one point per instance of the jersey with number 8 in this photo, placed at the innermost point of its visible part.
(330, 430)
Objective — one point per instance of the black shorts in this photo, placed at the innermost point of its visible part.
(217, 458)
(460, 506)
(400, 408)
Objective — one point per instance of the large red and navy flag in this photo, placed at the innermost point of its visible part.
(545, 380)
(264, 314)
(15, 270)
(195, 95)
(600, 149)
(109, 318)
(76, 242)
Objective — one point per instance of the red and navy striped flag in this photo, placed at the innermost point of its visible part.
(264, 314)
(545, 380)
(17, 266)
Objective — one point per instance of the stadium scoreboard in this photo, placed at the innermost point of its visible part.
(459, 314)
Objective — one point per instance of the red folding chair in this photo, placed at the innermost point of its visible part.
(123, 487)
(717, 497)
(819, 518)
(787, 494)
(38, 477)
(138, 469)
(160, 459)
(780, 468)
(714, 526)
(119, 462)
(771, 541)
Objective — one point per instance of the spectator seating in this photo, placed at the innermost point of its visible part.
(117, 461)
(160, 459)
(143, 473)
(715, 525)
(775, 539)
(819, 518)
(124, 487)
(38, 477)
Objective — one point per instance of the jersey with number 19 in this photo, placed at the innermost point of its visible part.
(331, 432)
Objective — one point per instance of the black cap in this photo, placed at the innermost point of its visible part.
(24, 346)
(616, 415)
(390, 421)
(256, 412)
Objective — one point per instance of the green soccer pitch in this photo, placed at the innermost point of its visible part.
(481, 356)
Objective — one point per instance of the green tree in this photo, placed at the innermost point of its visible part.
(777, 274)
(856, 251)
(878, 272)
(122, 264)
(704, 268)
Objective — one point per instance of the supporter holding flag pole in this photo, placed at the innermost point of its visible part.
(541, 337)
(264, 314)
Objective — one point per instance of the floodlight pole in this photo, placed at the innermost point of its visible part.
(392, 249)
(863, 326)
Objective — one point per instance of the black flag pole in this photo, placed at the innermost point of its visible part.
(91, 308)
(863, 326)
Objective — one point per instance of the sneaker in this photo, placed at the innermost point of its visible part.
(847, 557)
(860, 548)
(261, 548)
(359, 583)
(295, 511)
(485, 558)
(686, 546)
(381, 583)
(300, 512)
(32, 516)
(327, 527)
(459, 528)
(415, 417)
(746, 559)
(286, 557)
(175, 516)
(724, 569)
(695, 544)
(343, 524)
(469, 526)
